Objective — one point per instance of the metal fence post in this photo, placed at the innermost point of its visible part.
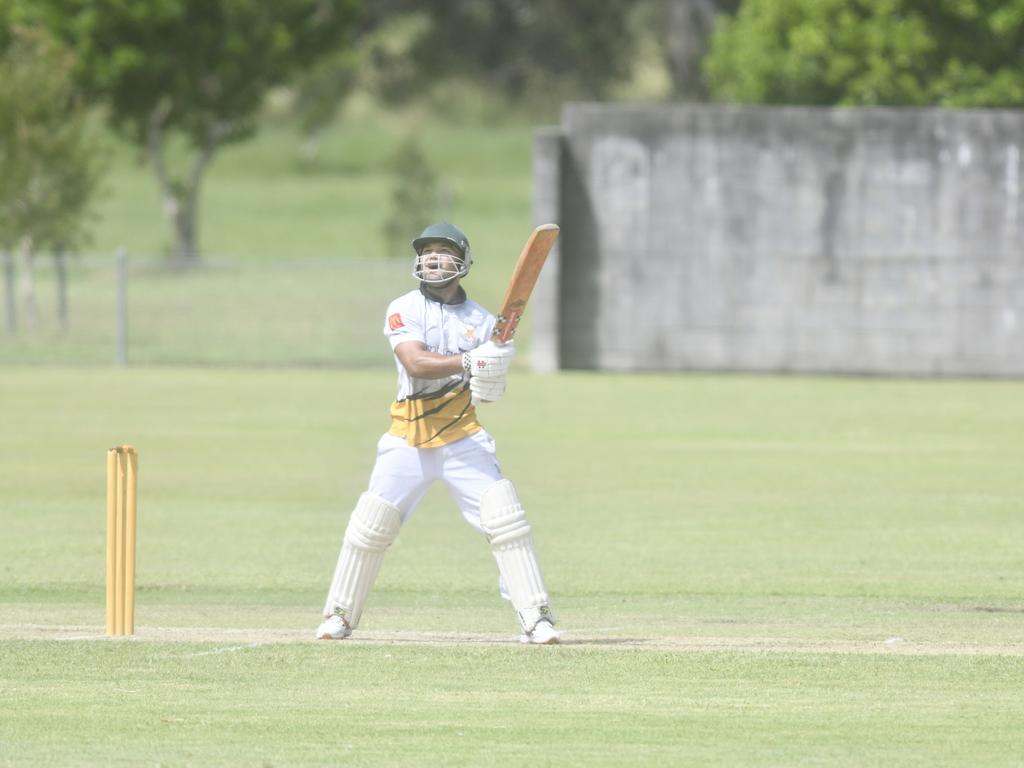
(60, 258)
(121, 267)
(11, 310)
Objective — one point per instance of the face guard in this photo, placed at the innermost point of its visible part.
(435, 267)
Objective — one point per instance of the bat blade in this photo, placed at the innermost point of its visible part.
(524, 277)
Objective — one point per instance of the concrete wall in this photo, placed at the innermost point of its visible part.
(877, 241)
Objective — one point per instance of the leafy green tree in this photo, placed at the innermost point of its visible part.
(951, 53)
(320, 92)
(193, 69)
(683, 29)
(50, 167)
(529, 51)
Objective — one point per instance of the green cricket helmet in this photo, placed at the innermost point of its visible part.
(442, 233)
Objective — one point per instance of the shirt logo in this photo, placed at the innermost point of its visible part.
(395, 322)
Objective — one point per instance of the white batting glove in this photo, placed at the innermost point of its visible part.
(489, 360)
(487, 390)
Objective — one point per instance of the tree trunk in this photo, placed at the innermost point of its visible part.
(688, 35)
(185, 252)
(181, 198)
(10, 304)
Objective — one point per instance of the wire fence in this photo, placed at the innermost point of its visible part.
(122, 309)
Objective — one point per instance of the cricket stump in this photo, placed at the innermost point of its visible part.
(122, 486)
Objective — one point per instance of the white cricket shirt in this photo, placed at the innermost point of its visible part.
(447, 329)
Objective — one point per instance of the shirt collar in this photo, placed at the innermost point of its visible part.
(460, 296)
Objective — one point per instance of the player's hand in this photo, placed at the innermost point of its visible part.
(487, 390)
(489, 360)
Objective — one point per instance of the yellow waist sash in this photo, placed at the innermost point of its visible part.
(433, 421)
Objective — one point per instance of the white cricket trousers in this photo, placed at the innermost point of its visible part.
(403, 474)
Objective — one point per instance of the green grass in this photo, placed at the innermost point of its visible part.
(303, 312)
(297, 269)
(262, 201)
(747, 570)
(280, 705)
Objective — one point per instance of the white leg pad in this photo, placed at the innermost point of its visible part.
(371, 530)
(503, 519)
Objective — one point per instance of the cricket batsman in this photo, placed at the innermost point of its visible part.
(446, 363)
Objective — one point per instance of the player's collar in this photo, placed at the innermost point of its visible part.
(460, 295)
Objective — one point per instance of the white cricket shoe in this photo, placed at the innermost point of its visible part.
(333, 628)
(542, 634)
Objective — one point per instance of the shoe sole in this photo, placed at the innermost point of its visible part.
(525, 640)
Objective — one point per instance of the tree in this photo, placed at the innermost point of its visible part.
(951, 53)
(683, 29)
(194, 69)
(49, 166)
(533, 53)
(529, 51)
(319, 93)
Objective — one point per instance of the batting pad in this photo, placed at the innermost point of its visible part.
(504, 521)
(371, 529)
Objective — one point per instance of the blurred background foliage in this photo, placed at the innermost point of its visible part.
(178, 80)
(945, 53)
(200, 133)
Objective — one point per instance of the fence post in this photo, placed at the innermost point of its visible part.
(11, 309)
(121, 267)
(60, 257)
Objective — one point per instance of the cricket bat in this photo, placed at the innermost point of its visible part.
(524, 277)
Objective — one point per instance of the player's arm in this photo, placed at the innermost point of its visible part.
(486, 361)
(421, 363)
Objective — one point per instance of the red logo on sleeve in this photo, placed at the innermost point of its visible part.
(395, 322)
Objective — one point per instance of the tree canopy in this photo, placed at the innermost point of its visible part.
(522, 49)
(49, 165)
(196, 68)
(950, 53)
(204, 63)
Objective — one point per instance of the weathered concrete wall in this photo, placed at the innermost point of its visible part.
(877, 241)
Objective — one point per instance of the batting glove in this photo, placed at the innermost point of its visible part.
(487, 390)
(488, 361)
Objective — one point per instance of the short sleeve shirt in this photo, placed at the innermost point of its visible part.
(447, 329)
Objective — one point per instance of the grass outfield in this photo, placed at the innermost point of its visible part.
(296, 270)
(747, 570)
(261, 202)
